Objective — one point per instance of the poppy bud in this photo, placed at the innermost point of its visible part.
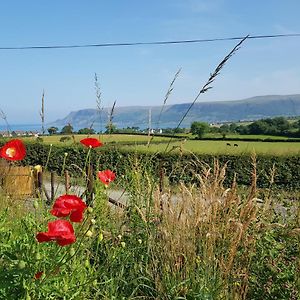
(100, 237)
(123, 244)
(21, 264)
(72, 251)
(90, 209)
(38, 256)
(93, 221)
(35, 204)
(95, 283)
(87, 263)
(89, 233)
(65, 288)
(28, 297)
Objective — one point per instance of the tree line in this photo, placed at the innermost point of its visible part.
(278, 126)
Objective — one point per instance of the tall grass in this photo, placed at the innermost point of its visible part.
(197, 241)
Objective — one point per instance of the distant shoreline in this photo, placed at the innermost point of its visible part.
(23, 127)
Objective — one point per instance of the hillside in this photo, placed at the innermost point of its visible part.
(212, 112)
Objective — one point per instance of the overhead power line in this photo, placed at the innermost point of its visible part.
(151, 43)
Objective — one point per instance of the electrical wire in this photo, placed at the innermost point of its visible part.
(150, 43)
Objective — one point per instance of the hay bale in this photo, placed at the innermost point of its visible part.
(17, 181)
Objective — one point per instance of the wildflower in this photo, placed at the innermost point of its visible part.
(38, 168)
(69, 205)
(38, 275)
(13, 150)
(91, 142)
(123, 244)
(140, 241)
(106, 176)
(60, 231)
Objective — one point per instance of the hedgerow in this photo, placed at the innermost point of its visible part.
(177, 167)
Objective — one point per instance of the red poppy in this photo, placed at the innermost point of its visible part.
(38, 275)
(69, 205)
(91, 142)
(106, 176)
(60, 231)
(13, 150)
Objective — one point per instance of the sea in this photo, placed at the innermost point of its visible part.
(21, 127)
(36, 128)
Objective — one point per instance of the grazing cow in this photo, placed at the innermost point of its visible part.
(228, 144)
(235, 145)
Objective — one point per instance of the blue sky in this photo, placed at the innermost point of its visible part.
(141, 75)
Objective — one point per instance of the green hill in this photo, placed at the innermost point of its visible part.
(212, 112)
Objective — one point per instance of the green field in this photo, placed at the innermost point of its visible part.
(105, 138)
(159, 144)
(221, 147)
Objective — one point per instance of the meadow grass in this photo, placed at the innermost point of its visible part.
(105, 138)
(198, 241)
(221, 147)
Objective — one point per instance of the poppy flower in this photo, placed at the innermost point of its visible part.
(106, 176)
(69, 205)
(38, 275)
(60, 231)
(91, 142)
(13, 150)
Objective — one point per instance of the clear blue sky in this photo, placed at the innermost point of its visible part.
(141, 75)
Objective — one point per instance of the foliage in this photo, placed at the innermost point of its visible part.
(271, 126)
(63, 139)
(67, 129)
(199, 129)
(86, 131)
(52, 130)
(111, 128)
(178, 167)
(207, 243)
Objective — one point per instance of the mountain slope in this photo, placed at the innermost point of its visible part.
(212, 112)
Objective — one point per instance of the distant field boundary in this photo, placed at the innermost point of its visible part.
(176, 167)
(269, 140)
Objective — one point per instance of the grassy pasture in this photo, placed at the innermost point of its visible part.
(221, 147)
(158, 144)
(105, 138)
(249, 136)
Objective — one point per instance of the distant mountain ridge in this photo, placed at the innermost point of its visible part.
(212, 112)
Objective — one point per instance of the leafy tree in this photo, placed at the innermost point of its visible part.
(199, 128)
(258, 127)
(68, 129)
(242, 129)
(111, 128)
(86, 131)
(224, 130)
(52, 130)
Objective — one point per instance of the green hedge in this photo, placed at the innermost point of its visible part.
(176, 167)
